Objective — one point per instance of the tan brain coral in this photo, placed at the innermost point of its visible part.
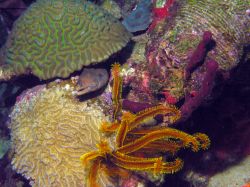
(49, 133)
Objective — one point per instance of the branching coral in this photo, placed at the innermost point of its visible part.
(132, 139)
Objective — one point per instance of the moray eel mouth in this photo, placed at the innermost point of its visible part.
(86, 89)
(91, 80)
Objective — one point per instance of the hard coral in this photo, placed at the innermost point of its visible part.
(55, 38)
(49, 132)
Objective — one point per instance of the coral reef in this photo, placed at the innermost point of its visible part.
(55, 38)
(225, 119)
(170, 49)
(9, 177)
(138, 148)
(130, 128)
(49, 132)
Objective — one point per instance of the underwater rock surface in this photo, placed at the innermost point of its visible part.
(234, 176)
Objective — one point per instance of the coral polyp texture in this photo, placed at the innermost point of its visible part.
(50, 130)
(227, 21)
(55, 38)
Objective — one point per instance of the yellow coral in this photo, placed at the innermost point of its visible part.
(49, 134)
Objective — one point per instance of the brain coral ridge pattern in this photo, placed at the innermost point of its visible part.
(227, 20)
(54, 38)
(49, 134)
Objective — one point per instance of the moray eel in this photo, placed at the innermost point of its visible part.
(91, 80)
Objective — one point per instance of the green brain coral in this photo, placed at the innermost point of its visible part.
(54, 38)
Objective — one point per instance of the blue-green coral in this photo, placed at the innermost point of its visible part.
(55, 38)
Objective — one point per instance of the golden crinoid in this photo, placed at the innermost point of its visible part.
(139, 148)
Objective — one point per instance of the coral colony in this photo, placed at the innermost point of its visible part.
(88, 35)
(111, 78)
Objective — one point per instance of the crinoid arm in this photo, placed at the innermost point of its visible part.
(159, 146)
(121, 134)
(167, 167)
(117, 89)
(154, 165)
(149, 113)
(85, 158)
(107, 127)
(203, 139)
(104, 147)
(93, 172)
(139, 143)
(133, 163)
(93, 155)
